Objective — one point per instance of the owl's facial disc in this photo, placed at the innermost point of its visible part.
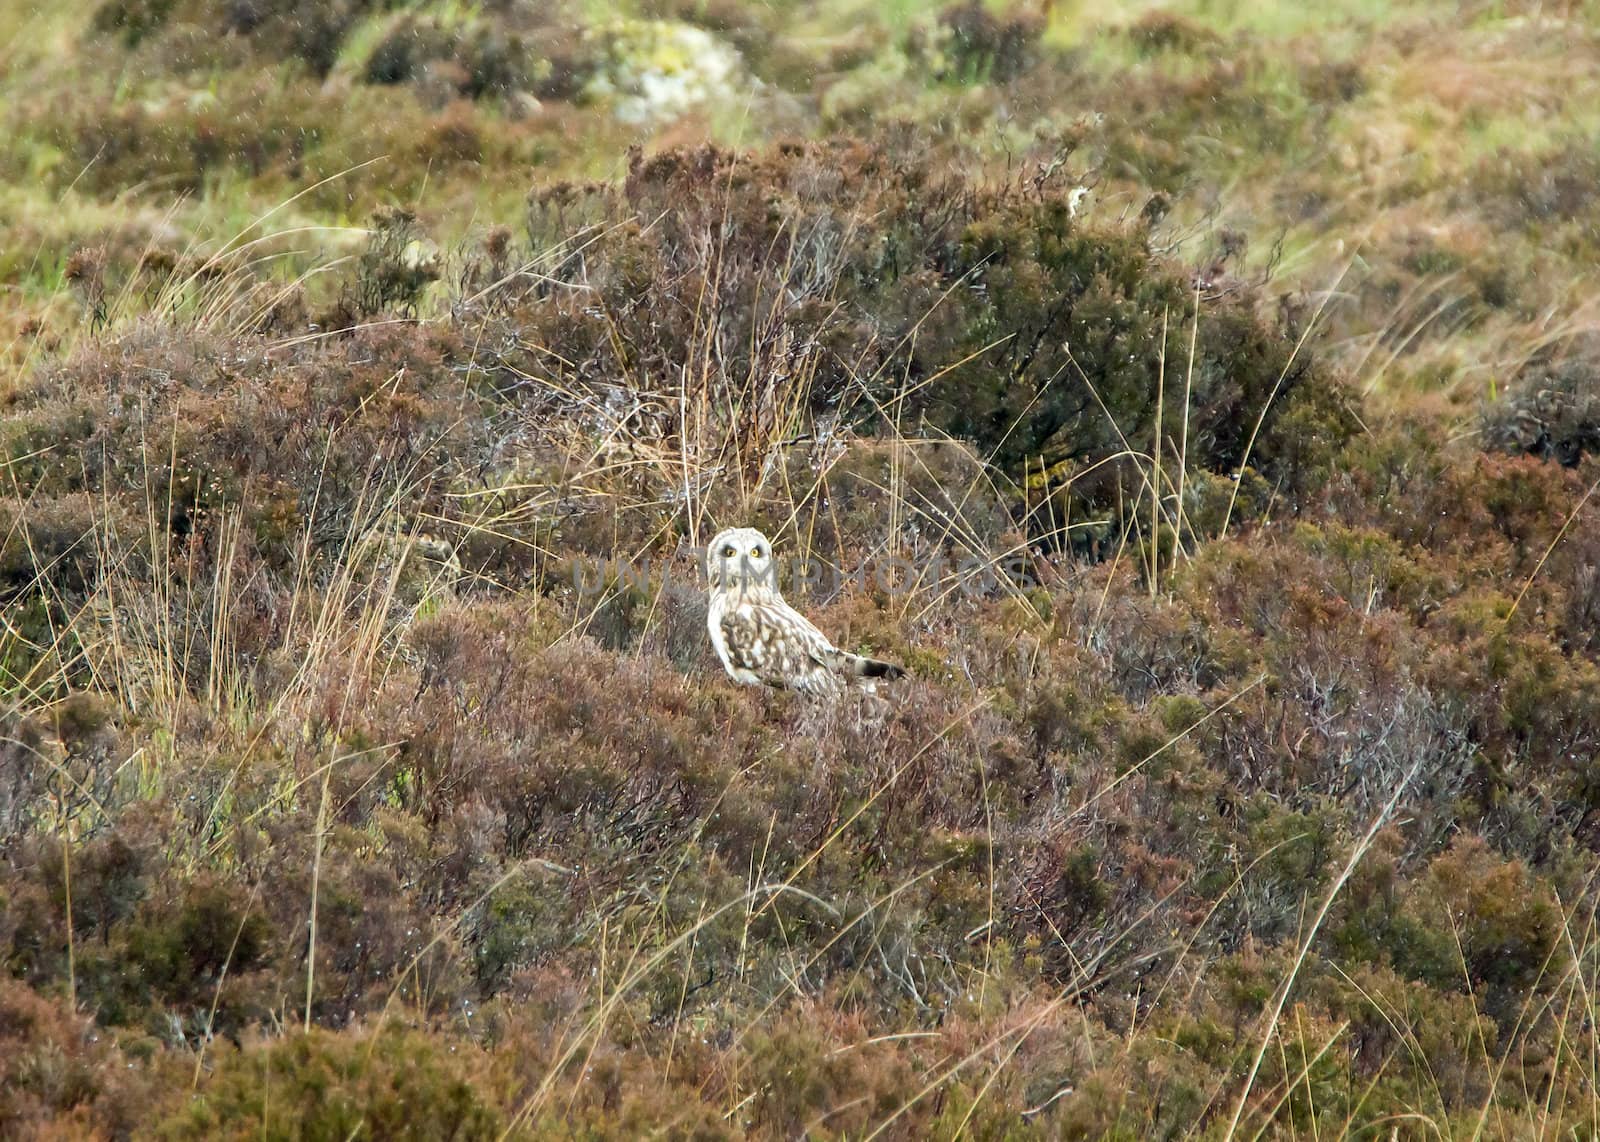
(740, 559)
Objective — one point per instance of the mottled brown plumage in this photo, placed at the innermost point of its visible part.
(760, 638)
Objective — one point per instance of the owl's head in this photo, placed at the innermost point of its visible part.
(740, 559)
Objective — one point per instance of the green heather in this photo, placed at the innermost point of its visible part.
(357, 355)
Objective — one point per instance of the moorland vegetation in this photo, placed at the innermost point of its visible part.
(343, 341)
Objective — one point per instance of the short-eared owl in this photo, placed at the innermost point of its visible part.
(762, 639)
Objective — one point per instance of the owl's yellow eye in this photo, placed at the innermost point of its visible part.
(728, 552)
(755, 553)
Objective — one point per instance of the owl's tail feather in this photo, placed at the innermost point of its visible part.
(864, 667)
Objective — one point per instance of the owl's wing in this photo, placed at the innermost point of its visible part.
(824, 654)
(776, 642)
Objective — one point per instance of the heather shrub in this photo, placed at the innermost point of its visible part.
(309, 31)
(968, 43)
(399, 1084)
(1409, 1039)
(396, 265)
(1496, 927)
(1549, 186)
(559, 744)
(238, 439)
(176, 958)
(24, 771)
(1159, 31)
(55, 538)
(58, 1078)
(1160, 116)
(179, 145)
(506, 50)
(132, 20)
(983, 311)
(1551, 409)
